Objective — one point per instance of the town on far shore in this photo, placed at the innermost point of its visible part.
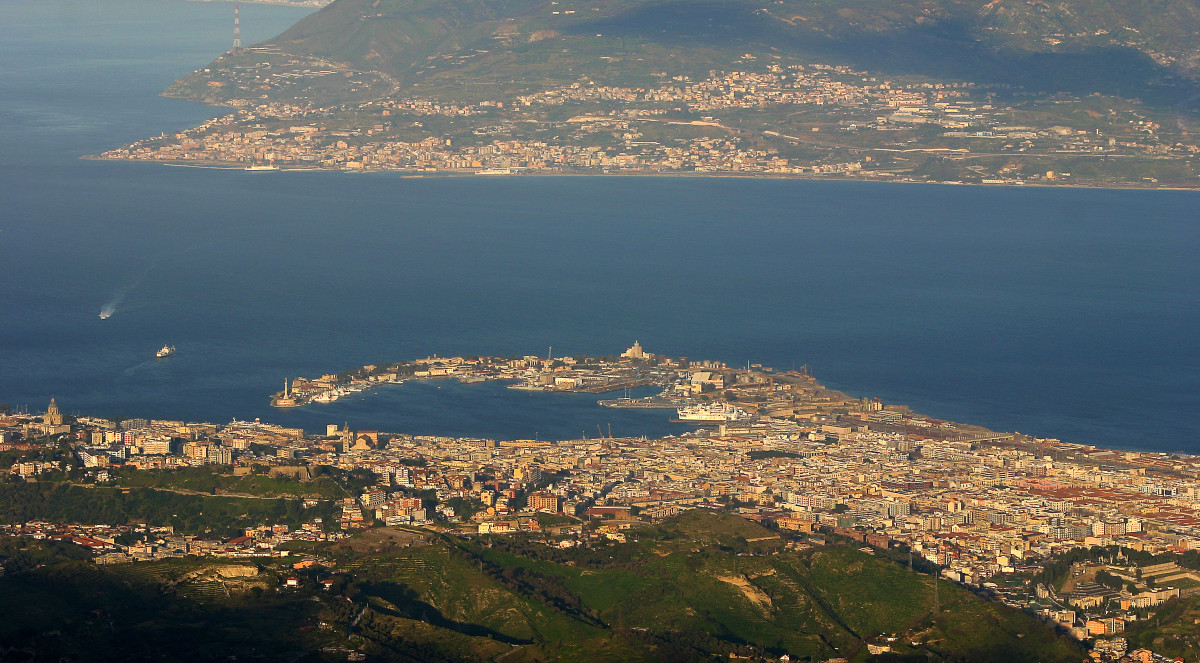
(315, 4)
(1090, 539)
(768, 117)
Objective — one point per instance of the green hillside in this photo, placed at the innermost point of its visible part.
(187, 513)
(1173, 631)
(699, 587)
(1131, 49)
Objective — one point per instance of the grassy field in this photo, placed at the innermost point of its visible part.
(206, 480)
(187, 513)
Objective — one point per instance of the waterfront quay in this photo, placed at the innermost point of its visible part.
(590, 375)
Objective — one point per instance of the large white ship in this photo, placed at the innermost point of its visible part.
(166, 351)
(709, 413)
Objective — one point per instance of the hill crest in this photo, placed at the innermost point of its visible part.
(1073, 46)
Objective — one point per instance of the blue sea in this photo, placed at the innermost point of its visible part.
(1064, 313)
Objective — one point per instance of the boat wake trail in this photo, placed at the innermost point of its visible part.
(119, 295)
(134, 369)
(109, 308)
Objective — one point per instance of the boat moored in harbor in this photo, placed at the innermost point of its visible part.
(658, 402)
(707, 413)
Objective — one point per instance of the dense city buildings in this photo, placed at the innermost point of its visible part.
(769, 119)
(991, 510)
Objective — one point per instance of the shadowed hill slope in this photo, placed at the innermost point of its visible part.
(696, 587)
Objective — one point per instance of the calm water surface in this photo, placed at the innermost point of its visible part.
(1057, 312)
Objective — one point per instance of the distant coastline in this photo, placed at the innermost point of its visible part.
(290, 3)
(831, 177)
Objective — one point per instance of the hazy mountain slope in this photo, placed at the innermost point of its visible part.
(396, 35)
(1126, 48)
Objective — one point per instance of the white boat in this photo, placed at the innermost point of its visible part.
(529, 386)
(327, 396)
(709, 412)
(166, 351)
(330, 395)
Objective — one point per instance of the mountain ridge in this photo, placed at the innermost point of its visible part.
(1128, 49)
(956, 91)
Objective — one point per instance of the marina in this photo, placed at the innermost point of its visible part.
(709, 413)
(532, 374)
(707, 394)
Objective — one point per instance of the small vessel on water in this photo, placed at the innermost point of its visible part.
(166, 351)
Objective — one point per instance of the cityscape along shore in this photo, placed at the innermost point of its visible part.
(997, 512)
(766, 119)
